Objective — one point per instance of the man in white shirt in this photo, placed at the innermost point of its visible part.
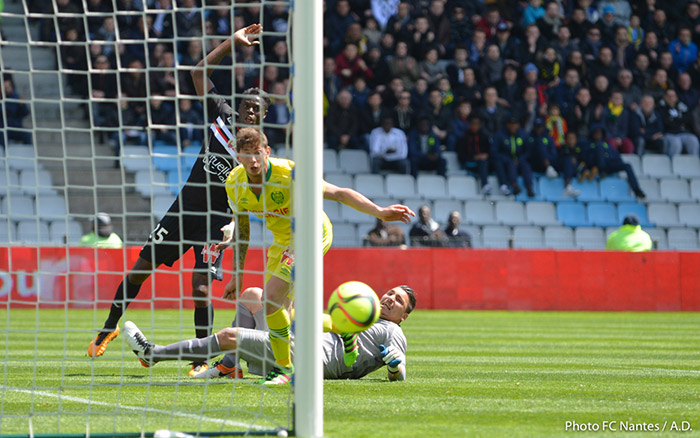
(388, 148)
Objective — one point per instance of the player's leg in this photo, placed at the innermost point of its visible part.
(278, 320)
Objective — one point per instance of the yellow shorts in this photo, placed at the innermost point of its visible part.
(280, 259)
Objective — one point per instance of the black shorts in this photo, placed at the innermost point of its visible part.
(177, 233)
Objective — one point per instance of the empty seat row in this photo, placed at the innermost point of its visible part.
(600, 214)
(460, 187)
(661, 166)
(45, 206)
(27, 181)
(40, 232)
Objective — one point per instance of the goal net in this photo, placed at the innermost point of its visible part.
(100, 115)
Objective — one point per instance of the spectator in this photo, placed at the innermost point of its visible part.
(432, 69)
(107, 32)
(372, 32)
(439, 116)
(280, 55)
(631, 94)
(528, 108)
(591, 44)
(533, 12)
(600, 93)
(448, 96)
(104, 86)
(403, 65)
(666, 63)
(459, 125)
(640, 72)
(658, 84)
(162, 120)
(15, 111)
(605, 160)
(439, 24)
(403, 112)
(563, 44)
(425, 149)
(508, 87)
(331, 81)
(191, 122)
(278, 115)
(391, 94)
(592, 13)
(556, 124)
(492, 114)
(686, 92)
(550, 22)
(692, 17)
(579, 25)
(650, 47)
(188, 19)
(456, 238)
(385, 234)
(477, 47)
(73, 57)
(341, 123)
(337, 23)
(355, 36)
(513, 157)
(616, 121)
(619, 46)
(381, 72)
(506, 42)
(620, 10)
(372, 114)
(388, 148)
(677, 121)
(349, 65)
(492, 65)
(549, 67)
(564, 94)
(663, 29)
(648, 127)
(400, 25)
(426, 232)
(604, 65)
(420, 96)
(608, 24)
(635, 32)
(489, 23)
(469, 89)
(684, 50)
(163, 19)
(531, 46)
(360, 94)
(102, 234)
(270, 76)
(164, 81)
(423, 38)
(460, 26)
(473, 150)
(547, 158)
(629, 237)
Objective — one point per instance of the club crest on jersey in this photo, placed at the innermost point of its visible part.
(278, 197)
(287, 258)
(210, 253)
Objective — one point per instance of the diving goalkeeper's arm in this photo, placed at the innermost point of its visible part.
(392, 358)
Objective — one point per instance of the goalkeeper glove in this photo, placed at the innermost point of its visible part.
(391, 357)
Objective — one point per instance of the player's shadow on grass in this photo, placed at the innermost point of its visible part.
(106, 376)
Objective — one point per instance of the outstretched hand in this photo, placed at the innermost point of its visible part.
(396, 212)
(391, 357)
(246, 36)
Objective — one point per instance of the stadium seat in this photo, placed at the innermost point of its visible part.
(50, 207)
(353, 161)
(353, 216)
(345, 235)
(151, 183)
(689, 215)
(686, 166)
(462, 187)
(495, 236)
(658, 237)
(572, 214)
(552, 190)
(284, 152)
(523, 196)
(615, 190)
(7, 230)
(683, 239)
(589, 191)
(18, 207)
(625, 208)
(33, 232)
(188, 157)
(695, 189)
(675, 190)
(453, 167)
(479, 213)
(657, 166)
(21, 157)
(161, 204)
(9, 182)
(431, 187)
(332, 210)
(65, 231)
(510, 213)
(541, 213)
(663, 215)
(589, 238)
(603, 214)
(559, 238)
(650, 187)
(370, 185)
(35, 182)
(475, 234)
(135, 158)
(400, 186)
(443, 207)
(634, 161)
(330, 161)
(416, 203)
(174, 180)
(165, 158)
(340, 179)
(528, 237)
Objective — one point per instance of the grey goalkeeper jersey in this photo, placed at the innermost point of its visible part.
(369, 359)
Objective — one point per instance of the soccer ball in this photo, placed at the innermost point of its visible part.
(353, 307)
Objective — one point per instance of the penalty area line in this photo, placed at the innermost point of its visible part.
(134, 408)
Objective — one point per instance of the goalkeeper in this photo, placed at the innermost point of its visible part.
(382, 344)
(200, 210)
(262, 185)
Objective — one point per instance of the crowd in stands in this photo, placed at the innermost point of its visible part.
(561, 87)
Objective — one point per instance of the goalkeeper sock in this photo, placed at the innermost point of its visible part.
(203, 318)
(195, 350)
(351, 349)
(119, 304)
(279, 325)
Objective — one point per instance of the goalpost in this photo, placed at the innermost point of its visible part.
(55, 295)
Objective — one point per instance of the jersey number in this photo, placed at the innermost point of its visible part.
(158, 234)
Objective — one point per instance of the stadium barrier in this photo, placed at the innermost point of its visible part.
(443, 278)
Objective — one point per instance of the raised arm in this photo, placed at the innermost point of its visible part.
(360, 202)
(202, 83)
(240, 251)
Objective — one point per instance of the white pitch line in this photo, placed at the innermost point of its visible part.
(134, 408)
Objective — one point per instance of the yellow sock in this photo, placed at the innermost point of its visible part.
(279, 324)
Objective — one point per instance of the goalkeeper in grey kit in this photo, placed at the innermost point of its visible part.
(382, 344)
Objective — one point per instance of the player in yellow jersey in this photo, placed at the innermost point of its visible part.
(262, 185)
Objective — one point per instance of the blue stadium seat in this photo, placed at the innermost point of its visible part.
(589, 191)
(615, 190)
(189, 156)
(165, 157)
(175, 181)
(572, 214)
(522, 196)
(603, 214)
(552, 189)
(625, 208)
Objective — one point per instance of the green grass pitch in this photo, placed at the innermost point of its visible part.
(484, 374)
